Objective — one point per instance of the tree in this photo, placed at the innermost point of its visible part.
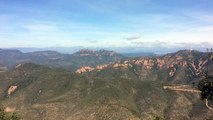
(206, 85)
(206, 88)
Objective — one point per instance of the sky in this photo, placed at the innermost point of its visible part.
(107, 23)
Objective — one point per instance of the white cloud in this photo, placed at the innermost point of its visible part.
(40, 28)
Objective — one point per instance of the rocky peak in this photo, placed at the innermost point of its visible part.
(102, 52)
(106, 52)
(85, 51)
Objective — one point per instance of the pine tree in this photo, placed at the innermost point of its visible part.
(206, 88)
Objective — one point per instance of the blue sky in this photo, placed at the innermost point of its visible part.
(106, 23)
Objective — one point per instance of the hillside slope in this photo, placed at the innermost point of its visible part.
(181, 67)
(40, 93)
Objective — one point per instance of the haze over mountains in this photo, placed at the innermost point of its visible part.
(94, 85)
(10, 58)
(123, 50)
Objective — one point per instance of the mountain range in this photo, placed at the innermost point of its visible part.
(102, 85)
(10, 58)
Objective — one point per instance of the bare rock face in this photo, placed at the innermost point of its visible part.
(17, 66)
(9, 109)
(100, 67)
(11, 90)
(198, 67)
(84, 69)
(117, 65)
(172, 72)
(160, 63)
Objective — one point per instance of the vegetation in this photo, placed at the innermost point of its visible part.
(206, 88)
(158, 118)
(8, 116)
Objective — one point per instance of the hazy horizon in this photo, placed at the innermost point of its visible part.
(122, 50)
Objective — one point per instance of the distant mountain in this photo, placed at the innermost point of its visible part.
(64, 50)
(10, 58)
(133, 49)
(139, 54)
(93, 58)
(87, 52)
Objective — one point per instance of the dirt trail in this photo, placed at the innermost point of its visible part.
(186, 88)
(207, 105)
(183, 88)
